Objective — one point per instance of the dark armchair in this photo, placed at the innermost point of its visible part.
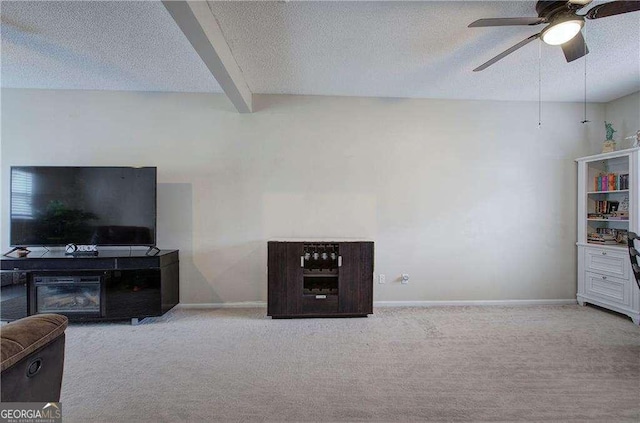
(32, 352)
(633, 256)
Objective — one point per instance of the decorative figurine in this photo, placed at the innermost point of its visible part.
(609, 144)
(609, 128)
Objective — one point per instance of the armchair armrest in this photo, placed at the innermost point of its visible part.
(24, 336)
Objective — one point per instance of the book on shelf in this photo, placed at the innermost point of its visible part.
(606, 232)
(605, 207)
(624, 181)
(611, 182)
(614, 242)
(595, 238)
(608, 236)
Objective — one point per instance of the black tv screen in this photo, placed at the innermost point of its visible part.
(53, 206)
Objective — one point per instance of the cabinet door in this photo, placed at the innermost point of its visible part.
(284, 278)
(355, 278)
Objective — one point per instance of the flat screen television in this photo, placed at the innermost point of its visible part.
(109, 206)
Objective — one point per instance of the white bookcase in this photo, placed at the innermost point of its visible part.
(605, 211)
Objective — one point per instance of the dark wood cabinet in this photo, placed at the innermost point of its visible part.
(115, 285)
(284, 278)
(320, 279)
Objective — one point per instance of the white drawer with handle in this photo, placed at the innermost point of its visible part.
(608, 288)
(601, 260)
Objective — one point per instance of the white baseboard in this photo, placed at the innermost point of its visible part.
(473, 303)
(263, 304)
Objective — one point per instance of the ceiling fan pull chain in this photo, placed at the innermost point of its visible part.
(539, 83)
(585, 79)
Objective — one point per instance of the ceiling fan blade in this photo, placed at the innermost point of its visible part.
(575, 48)
(506, 22)
(506, 52)
(613, 8)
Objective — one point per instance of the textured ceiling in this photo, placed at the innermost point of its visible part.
(420, 49)
(387, 49)
(96, 45)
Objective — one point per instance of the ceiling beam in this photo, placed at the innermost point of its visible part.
(201, 28)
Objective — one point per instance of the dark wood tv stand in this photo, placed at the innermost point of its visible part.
(320, 279)
(114, 285)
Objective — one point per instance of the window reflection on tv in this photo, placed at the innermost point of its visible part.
(53, 206)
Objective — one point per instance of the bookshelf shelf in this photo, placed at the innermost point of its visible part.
(608, 192)
(608, 187)
(604, 247)
(618, 246)
(607, 220)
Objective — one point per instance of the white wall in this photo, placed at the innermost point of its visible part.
(470, 198)
(624, 113)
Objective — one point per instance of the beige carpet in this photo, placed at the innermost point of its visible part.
(507, 364)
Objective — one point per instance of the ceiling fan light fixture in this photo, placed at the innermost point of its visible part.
(561, 32)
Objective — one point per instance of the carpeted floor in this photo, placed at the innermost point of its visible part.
(506, 364)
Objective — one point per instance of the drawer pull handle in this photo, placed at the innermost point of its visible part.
(321, 297)
(604, 278)
(604, 253)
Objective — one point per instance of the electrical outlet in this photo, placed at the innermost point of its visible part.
(382, 278)
(405, 278)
